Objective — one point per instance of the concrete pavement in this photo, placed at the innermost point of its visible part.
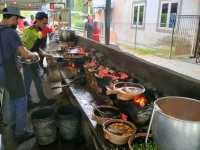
(185, 67)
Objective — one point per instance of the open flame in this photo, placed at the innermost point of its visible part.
(82, 50)
(140, 100)
(71, 65)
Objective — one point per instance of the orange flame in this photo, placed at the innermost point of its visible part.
(82, 50)
(73, 65)
(141, 100)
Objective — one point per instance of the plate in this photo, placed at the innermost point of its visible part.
(26, 61)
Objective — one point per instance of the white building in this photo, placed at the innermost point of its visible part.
(150, 23)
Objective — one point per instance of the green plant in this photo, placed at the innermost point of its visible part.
(141, 51)
(77, 22)
(79, 5)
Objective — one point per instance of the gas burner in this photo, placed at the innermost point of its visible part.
(152, 94)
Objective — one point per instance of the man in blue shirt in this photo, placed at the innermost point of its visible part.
(10, 76)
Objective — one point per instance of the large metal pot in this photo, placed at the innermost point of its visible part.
(54, 74)
(176, 123)
(67, 35)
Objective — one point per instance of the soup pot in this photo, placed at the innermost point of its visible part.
(176, 123)
(67, 35)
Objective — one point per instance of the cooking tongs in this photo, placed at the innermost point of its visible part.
(68, 84)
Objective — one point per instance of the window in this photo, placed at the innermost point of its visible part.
(138, 14)
(168, 12)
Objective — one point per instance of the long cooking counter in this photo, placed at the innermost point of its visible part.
(80, 96)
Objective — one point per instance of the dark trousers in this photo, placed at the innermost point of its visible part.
(32, 73)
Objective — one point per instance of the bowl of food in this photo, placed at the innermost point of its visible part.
(126, 90)
(103, 113)
(134, 89)
(118, 131)
(137, 142)
(124, 84)
(128, 93)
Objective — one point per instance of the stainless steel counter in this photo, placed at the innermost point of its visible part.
(80, 96)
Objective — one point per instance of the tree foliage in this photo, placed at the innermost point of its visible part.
(79, 5)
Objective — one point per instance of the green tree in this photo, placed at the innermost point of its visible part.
(79, 5)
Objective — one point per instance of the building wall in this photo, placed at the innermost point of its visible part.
(191, 7)
(121, 20)
(150, 35)
(127, 33)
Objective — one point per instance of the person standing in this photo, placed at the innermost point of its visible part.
(88, 30)
(32, 20)
(10, 75)
(21, 24)
(96, 32)
(45, 32)
(32, 39)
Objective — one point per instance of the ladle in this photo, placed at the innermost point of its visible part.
(101, 113)
(68, 84)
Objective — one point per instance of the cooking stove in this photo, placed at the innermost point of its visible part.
(139, 115)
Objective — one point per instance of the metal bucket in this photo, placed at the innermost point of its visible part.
(54, 74)
(176, 123)
(69, 120)
(44, 126)
(57, 91)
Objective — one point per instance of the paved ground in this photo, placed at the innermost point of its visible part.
(187, 67)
